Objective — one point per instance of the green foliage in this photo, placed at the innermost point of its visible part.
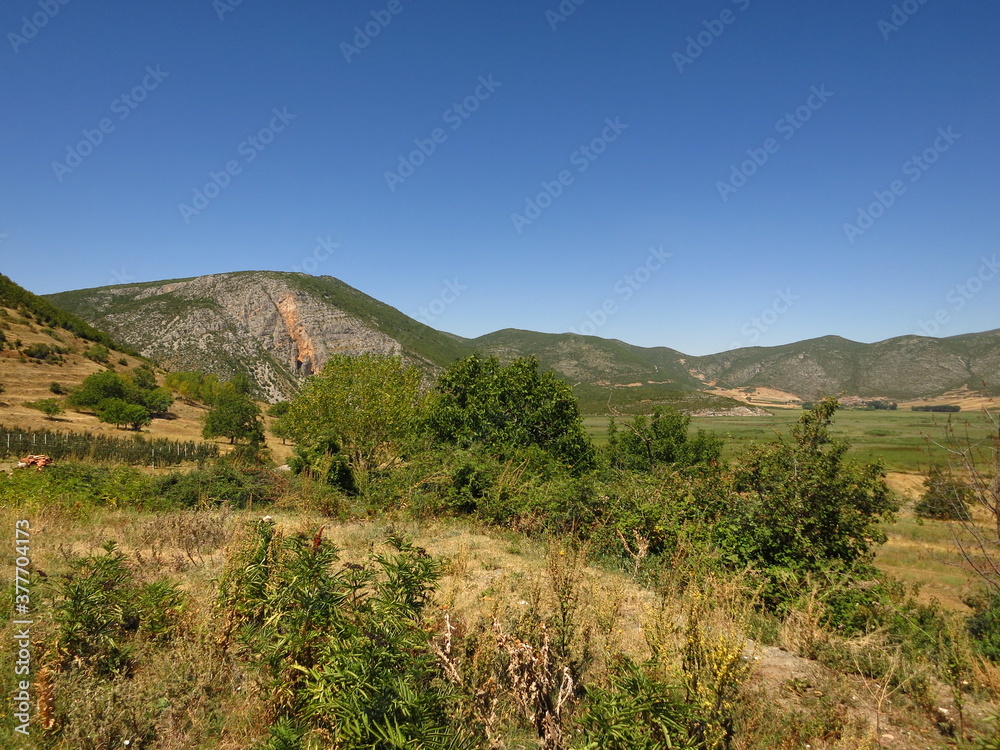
(98, 353)
(506, 408)
(44, 352)
(58, 388)
(235, 416)
(278, 409)
(945, 498)
(102, 612)
(941, 408)
(661, 439)
(636, 711)
(341, 646)
(97, 388)
(123, 414)
(364, 408)
(121, 400)
(802, 505)
(195, 386)
(16, 441)
(50, 407)
(219, 484)
(984, 624)
(16, 297)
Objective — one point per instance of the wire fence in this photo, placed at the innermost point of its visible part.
(134, 451)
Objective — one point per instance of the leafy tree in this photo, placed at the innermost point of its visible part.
(97, 388)
(195, 386)
(157, 401)
(50, 407)
(234, 416)
(660, 439)
(121, 413)
(507, 408)
(364, 408)
(945, 498)
(804, 505)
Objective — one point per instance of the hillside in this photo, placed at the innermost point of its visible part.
(906, 367)
(279, 327)
(274, 327)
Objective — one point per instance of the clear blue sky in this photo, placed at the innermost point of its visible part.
(173, 92)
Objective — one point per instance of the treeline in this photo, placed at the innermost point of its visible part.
(135, 451)
(941, 408)
(45, 313)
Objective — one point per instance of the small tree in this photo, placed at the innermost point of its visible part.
(234, 416)
(803, 505)
(364, 408)
(945, 498)
(507, 408)
(123, 414)
(660, 439)
(50, 407)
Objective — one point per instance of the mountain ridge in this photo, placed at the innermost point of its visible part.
(278, 327)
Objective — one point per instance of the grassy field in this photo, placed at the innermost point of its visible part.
(899, 438)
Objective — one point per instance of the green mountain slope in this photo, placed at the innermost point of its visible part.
(274, 327)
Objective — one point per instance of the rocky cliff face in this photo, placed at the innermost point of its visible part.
(258, 324)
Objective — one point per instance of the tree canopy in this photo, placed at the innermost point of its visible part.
(364, 407)
(507, 407)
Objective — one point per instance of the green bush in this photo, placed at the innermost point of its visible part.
(945, 498)
(342, 646)
(102, 613)
(636, 712)
(984, 625)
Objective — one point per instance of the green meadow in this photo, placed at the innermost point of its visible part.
(903, 439)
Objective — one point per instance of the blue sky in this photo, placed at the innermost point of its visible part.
(700, 175)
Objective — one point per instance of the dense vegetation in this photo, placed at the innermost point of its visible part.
(47, 314)
(313, 647)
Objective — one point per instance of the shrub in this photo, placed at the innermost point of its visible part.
(101, 612)
(58, 388)
(945, 498)
(50, 407)
(507, 408)
(341, 646)
(98, 353)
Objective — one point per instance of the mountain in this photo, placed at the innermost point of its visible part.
(902, 368)
(279, 327)
(274, 327)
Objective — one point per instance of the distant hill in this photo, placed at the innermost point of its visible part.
(274, 327)
(279, 327)
(902, 368)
